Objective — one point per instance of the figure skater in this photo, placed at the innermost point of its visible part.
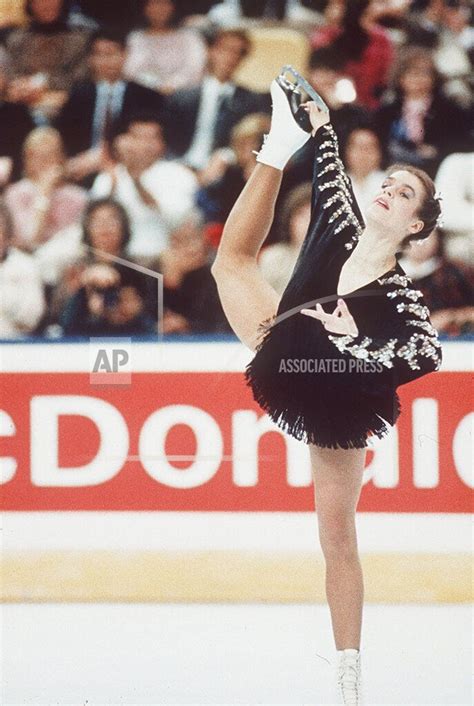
(381, 340)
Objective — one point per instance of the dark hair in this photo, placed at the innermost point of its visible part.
(109, 34)
(92, 206)
(213, 37)
(405, 61)
(430, 208)
(353, 38)
(294, 200)
(143, 117)
(326, 58)
(256, 8)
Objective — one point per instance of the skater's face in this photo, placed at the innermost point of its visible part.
(396, 206)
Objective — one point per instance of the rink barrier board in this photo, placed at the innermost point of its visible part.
(226, 577)
(184, 434)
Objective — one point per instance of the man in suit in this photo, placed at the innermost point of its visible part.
(200, 119)
(98, 110)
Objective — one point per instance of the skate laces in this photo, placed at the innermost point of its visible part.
(349, 681)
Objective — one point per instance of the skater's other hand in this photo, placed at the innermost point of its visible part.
(340, 321)
(317, 117)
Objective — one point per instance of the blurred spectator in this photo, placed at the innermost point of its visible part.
(42, 203)
(201, 118)
(445, 27)
(363, 160)
(454, 53)
(191, 301)
(46, 57)
(364, 47)
(97, 295)
(391, 15)
(325, 73)
(105, 14)
(424, 22)
(229, 170)
(57, 253)
(448, 288)
(231, 12)
(420, 125)
(455, 181)
(97, 110)
(164, 56)
(22, 302)
(156, 192)
(278, 260)
(16, 123)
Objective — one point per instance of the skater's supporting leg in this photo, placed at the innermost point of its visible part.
(337, 475)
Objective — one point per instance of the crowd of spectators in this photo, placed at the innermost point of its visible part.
(128, 130)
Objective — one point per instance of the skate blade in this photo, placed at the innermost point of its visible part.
(294, 81)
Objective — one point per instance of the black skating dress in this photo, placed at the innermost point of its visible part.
(336, 390)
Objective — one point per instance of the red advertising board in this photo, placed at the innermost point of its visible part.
(197, 441)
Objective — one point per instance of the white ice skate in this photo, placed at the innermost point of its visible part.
(348, 678)
(290, 126)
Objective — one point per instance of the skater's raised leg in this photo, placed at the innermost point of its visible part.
(247, 298)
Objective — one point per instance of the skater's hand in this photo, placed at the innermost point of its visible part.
(317, 117)
(340, 321)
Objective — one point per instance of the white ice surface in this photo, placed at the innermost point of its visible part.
(228, 654)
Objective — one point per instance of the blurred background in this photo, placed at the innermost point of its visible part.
(128, 130)
(158, 536)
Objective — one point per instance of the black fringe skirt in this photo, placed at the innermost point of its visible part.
(331, 406)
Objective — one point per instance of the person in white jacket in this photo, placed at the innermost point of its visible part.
(157, 193)
(22, 301)
(455, 181)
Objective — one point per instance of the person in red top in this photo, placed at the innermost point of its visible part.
(366, 48)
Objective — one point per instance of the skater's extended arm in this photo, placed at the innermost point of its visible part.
(411, 345)
(333, 200)
(412, 349)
